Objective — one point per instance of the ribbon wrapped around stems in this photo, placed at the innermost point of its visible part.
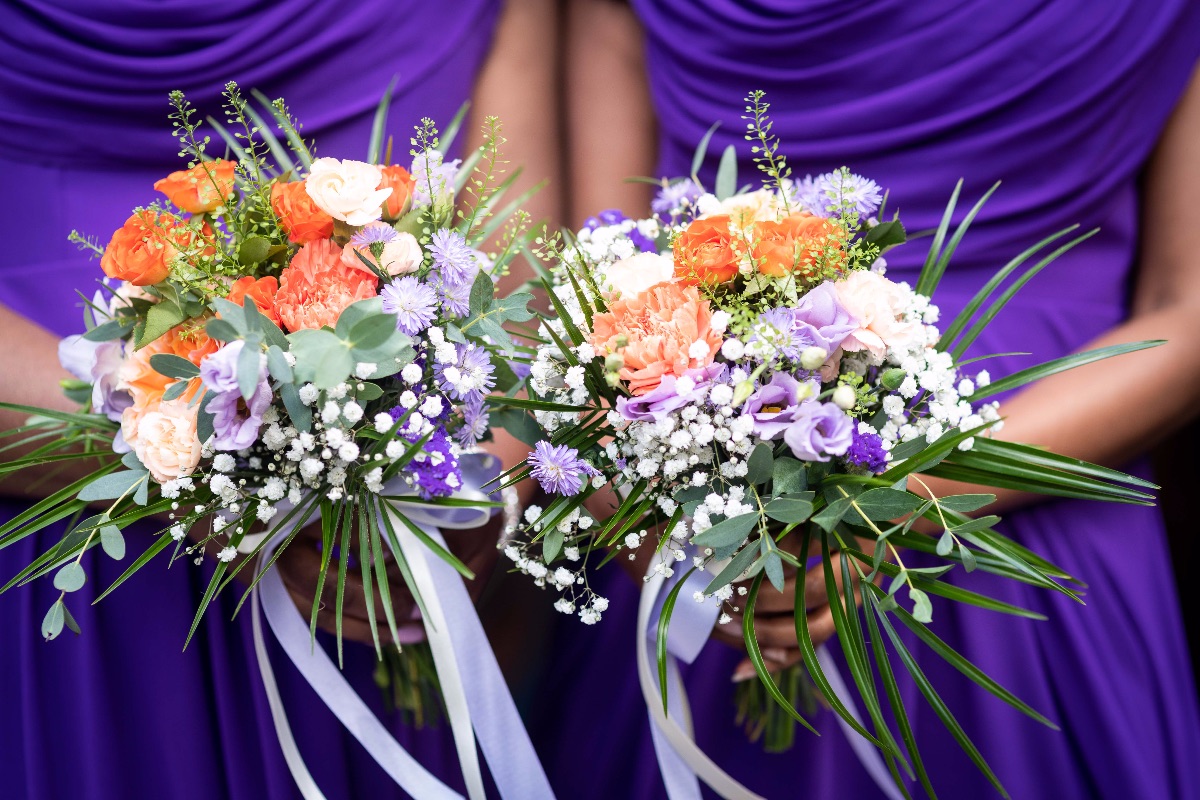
(480, 706)
(680, 760)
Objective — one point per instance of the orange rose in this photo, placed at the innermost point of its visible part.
(142, 250)
(317, 286)
(298, 214)
(793, 244)
(201, 189)
(667, 329)
(401, 183)
(261, 291)
(705, 252)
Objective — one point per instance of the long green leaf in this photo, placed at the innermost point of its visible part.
(935, 247)
(1060, 365)
(933, 276)
(375, 147)
(756, 658)
(664, 621)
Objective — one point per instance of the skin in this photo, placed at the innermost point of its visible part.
(518, 84)
(1076, 413)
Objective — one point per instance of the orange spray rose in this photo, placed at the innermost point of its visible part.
(792, 244)
(200, 189)
(298, 214)
(262, 291)
(705, 252)
(401, 183)
(142, 250)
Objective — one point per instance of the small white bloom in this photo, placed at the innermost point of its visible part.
(411, 373)
(585, 352)
(383, 423)
(394, 449)
(721, 394)
(432, 406)
(719, 321)
(844, 397)
(733, 349)
(352, 412)
(574, 377)
(365, 369)
(564, 606)
(408, 399)
(699, 349)
(330, 412)
(308, 394)
(227, 554)
(177, 532)
(348, 451)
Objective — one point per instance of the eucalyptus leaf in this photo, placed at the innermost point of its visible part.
(773, 567)
(254, 250)
(175, 390)
(788, 475)
(726, 183)
(249, 368)
(922, 608)
(758, 468)
(52, 623)
(221, 330)
(966, 503)
(108, 331)
(278, 366)
(112, 541)
(112, 485)
(552, 544)
(173, 366)
(159, 319)
(790, 509)
(70, 578)
(727, 532)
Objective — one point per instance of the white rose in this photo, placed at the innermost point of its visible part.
(347, 190)
(758, 206)
(632, 276)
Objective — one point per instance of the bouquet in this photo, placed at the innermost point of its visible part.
(282, 339)
(741, 370)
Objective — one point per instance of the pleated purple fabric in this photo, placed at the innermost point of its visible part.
(122, 711)
(1063, 101)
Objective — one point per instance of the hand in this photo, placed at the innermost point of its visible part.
(300, 564)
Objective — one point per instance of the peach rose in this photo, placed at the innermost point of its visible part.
(398, 179)
(299, 217)
(793, 244)
(744, 209)
(203, 188)
(401, 251)
(668, 329)
(347, 190)
(143, 249)
(636, 274)
(165, 439)
(877, 303)
(705, 252)
(261, 291)
(317, 286)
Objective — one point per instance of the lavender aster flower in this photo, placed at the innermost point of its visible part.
(469, 375)
(456, 300)
(867, 451)
(676, 201)
(475, 422)
(453, 258)
(235, 421)
(413, 303)
(377, 233)
(559, 469)
(818, 431)
(825, 195)
(433, 177)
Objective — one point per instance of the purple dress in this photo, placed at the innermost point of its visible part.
(122, 711)
(1063, 101)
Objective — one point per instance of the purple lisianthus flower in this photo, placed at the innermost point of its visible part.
(99, 363)
(672, 394)
(676, 201)
(559, 469)
(773, 405)
(469, 376)
(453, 258)
(819, 320)
(475, 422)
(867, 451)
(413, 302)
(818, 431)
(219, 370)
(456, 299)
(433, 176)
(235, 421)
(611, 216)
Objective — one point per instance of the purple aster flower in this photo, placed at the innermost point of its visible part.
(456, 299)
(773, 405)
(559, 469)
(676, 201)
(818, 431)
(98, 363)
(611, 216)
(236, 421)
(470, 374)
(431, 172)
(375, 233)
(475, 422)
(867, 451)
(413, 302)
(826, 194)
(453, 258)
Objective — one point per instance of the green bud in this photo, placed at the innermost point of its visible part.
(813, 357)
(612, 379)
(613, 362)
(742, 392)
(620, 340)
(892, 378)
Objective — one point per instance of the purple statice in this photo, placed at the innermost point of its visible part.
(818, 431)
(236, 422)
(470, 375)
(433, 177)
(774, 405)
(453, 258)
(826, 195)
(434, 471)
(475, 422)
(610, 216)
(643, 242)
(867, 451)
(558, 468)
(414, 303)
(456, 299)
(676, 202)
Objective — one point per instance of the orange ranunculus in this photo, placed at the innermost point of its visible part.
(204, 187)
(705, 252)
(667, 328)
(142, 250)
(298, 214)
(186, 341)
(317, 286)
(261, 291)
(793, 244)
(401, 183)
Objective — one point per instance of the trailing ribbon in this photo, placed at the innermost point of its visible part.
(680, 759)
(481, 705)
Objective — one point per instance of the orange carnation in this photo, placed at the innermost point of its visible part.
(705, 252)
(317, 286)
(298, 214)
(142, 250)
(261, 291)
(667, 330)
(792, 244)
(398, 179)
(203, 188)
